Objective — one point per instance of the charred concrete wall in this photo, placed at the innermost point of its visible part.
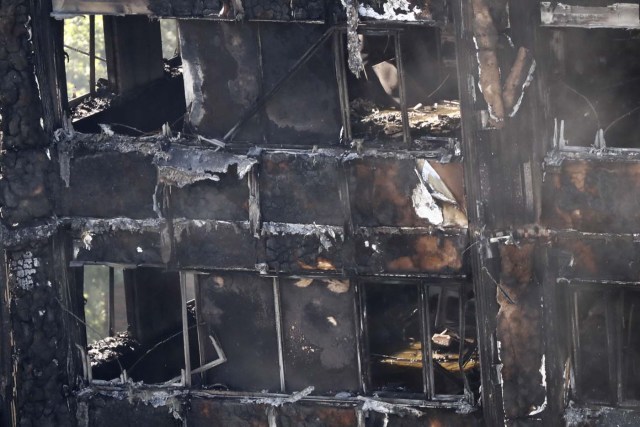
(38, 377)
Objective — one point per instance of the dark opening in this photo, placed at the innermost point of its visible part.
(594, 90)
(394, 332)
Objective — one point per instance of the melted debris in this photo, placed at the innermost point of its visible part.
(440, 119)
(111, 348)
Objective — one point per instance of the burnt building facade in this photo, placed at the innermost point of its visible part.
(320, 213)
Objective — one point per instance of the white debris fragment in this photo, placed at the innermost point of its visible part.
(388, 408)
(86, 240)
(424, 204)
(393, 10)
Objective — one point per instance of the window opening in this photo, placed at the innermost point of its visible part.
(405, 93)
(86, 64)
(134, 323)
(169, 34)
(605, 328)
(104, 302)
(400, 319)
(594, 92)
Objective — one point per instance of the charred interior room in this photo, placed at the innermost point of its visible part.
(354, 213)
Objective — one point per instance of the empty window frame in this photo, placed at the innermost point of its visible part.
(140, 317)
(605, 331)
(86, 63)
(594, 87)
(105, 311)
(418, 340)
(405, 93)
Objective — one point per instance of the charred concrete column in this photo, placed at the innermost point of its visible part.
(503, 147)
(37, 374)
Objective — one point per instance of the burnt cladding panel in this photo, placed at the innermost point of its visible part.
(105, 412)
(300, 190)
(306, 111)
(319, 335)
(224, 413)
(238, 309)
(227, 199)
(109, 185)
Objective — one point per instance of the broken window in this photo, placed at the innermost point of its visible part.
(134, 323)
(605, 323)
(420, 339)
(127, 75)
(404, 93)
(594, 95)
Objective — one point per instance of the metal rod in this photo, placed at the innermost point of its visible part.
(260, 102)
(406, 131)
(425, 330)
(462, 324)
(343, 90)
(92, 54)
(82, 52)
(111, 302)
(200, 326)
(357, 309)
(278, 313)
(185, 328)
(364, 331)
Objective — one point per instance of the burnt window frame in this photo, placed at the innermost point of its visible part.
(128, 271)
(428, 393)
(428, 398)
(613, 296)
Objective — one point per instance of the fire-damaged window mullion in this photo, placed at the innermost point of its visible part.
(406, 132)
(427, 353)
(278, 314)
(343, 89)
(362, 336)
